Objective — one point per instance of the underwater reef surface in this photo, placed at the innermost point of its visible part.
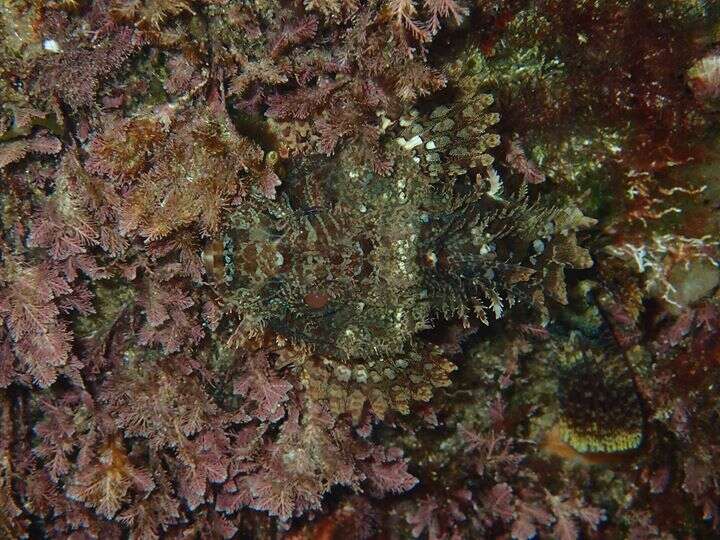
(360, 269)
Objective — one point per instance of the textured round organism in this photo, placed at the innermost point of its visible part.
(600, 407)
